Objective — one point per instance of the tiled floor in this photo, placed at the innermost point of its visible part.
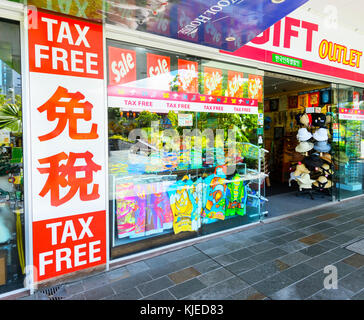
(279, 260)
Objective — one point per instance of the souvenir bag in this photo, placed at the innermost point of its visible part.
(236, 196)
(160, 205)
(182, 204)
(197, 193)
(126, 206)
(154, 216)
(215, 196)
(140, 192)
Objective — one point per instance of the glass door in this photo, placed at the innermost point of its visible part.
(349, 135)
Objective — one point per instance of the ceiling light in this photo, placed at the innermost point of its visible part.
(230, 38)
(277, 1)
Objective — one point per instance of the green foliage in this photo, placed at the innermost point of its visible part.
(145, 118)
(11, 114)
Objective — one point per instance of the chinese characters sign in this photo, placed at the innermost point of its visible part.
(67, 145)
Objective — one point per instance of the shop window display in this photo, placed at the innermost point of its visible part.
(183, 154)
(12, 258)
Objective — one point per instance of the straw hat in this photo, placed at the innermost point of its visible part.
(326, 157)
(305, 120)
(322, 146)
(300, 169)
(323, 182)
(304, 181)
(341, 157)
(321, 135)
(326, 168)
(303, 135)
(304, 146)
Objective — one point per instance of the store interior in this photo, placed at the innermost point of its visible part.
(299, 175)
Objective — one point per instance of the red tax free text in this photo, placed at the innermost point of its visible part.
(67, 47)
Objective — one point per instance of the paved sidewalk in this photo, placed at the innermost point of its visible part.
(279, 260)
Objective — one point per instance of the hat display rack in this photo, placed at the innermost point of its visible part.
(314, 173)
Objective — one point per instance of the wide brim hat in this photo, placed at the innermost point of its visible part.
(321, 135)
(323, 180)
(326, 157)
(318, 119)
(341, 157)
(304, 146)
(300, 169)
(305, 180)
(313, 161)
(326, 168)
(305, 120)
(303, 135)
(322, 146)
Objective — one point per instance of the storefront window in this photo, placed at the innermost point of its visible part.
(183, 154)
(12, 260)
(349, 153)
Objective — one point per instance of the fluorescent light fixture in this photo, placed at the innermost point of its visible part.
(230, 39)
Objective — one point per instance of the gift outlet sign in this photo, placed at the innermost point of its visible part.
(68, 165)
(306, 41)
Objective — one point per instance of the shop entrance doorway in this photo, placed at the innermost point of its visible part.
(297, 134)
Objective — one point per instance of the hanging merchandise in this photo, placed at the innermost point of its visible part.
(141, 198)
(305, 119)
(314, 99)
(304, 181)
(160, 208)
(19, 240)
(236, 196)
(321, 134)
(325, 96)
(341, 157)
(304, 147)
(126, 206)
(313, 161)
(326, 157)
(182, 204)
(303, 101)
(215, 195)
(322, 183)
(318, 119)
(322, 146)
(303, 135)
(326, 169)
(197, 193)
(300, 169)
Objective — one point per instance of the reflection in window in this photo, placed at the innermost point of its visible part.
(182, 154)
(12, 259)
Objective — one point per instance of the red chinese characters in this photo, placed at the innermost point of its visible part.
(67, 108)
(67, 176)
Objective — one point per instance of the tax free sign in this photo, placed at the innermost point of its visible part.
(68, 162)
(306, 40)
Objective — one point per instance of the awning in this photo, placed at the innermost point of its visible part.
(222, 24)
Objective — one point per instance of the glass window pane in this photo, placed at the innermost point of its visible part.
(12, 257)
(178, 125)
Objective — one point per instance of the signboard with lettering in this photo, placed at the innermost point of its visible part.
(66, 136)
(306, 40)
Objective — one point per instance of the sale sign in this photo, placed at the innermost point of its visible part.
(213, 81)
(236, 83)
(157, 65)
(122, 65)
(68, 166)
(187, 76)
